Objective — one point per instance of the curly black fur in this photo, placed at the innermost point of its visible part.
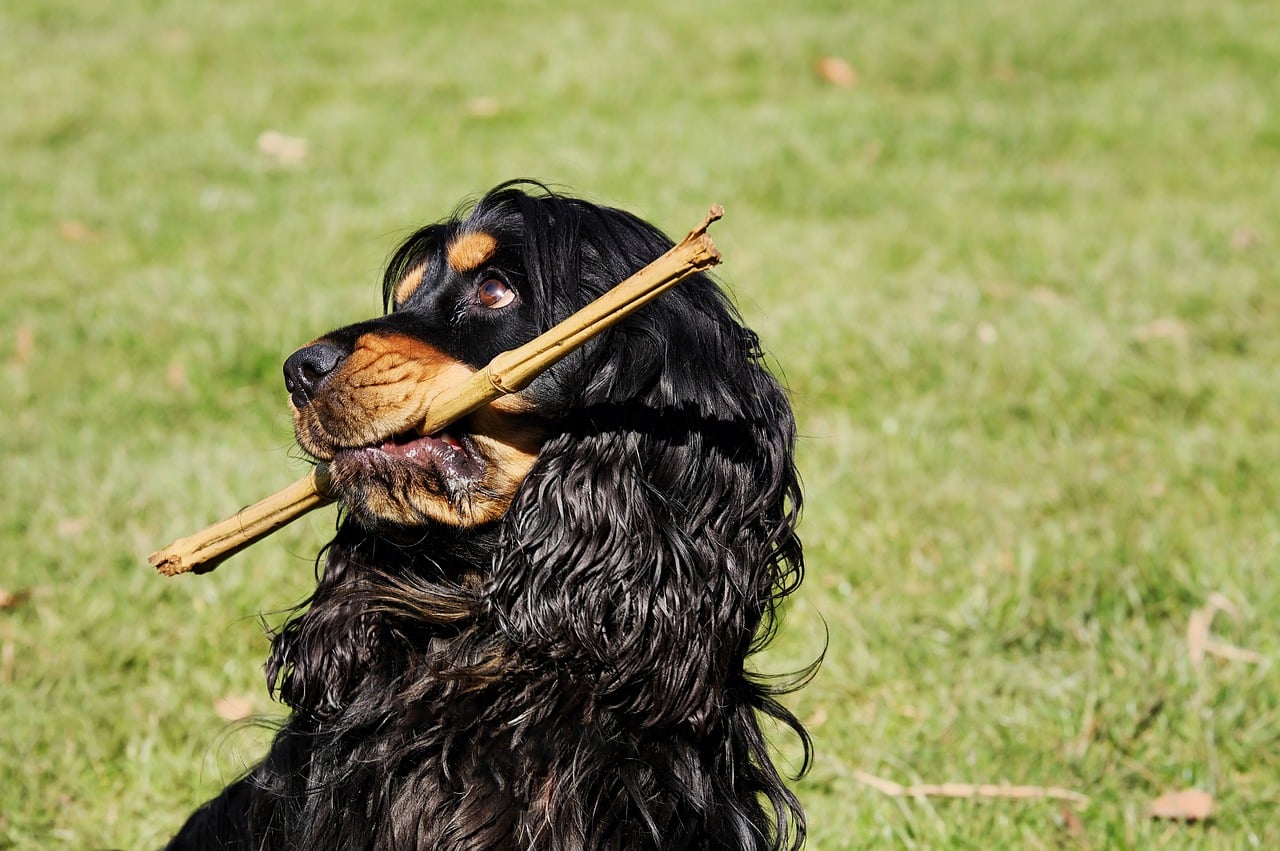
(571, 676)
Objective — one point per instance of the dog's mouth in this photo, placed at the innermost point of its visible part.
(464, 475)
(451, 454)
(364, 418)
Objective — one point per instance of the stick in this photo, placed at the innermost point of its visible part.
(509, 372)
(967, 790)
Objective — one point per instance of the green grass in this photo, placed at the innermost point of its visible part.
(1021, 280)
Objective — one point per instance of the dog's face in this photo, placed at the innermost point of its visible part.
(458, 296)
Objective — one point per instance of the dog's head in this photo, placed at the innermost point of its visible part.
(457, 293)
(647, 472)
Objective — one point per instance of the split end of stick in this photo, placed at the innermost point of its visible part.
(167, 563)
(715, 214)
(711, 254)
(205, 550)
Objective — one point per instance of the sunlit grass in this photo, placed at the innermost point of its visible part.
(1021, 278)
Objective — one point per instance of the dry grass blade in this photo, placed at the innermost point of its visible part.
(1235, 654)
(1200, 643)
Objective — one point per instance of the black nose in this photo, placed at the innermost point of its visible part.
(305, 370)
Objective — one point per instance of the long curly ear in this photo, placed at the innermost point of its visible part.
(320, 656)
(335, 648)
(650, 544)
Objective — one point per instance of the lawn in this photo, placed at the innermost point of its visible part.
(1017, 263)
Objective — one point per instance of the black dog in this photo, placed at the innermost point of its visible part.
(530, 630)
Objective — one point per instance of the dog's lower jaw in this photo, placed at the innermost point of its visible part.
(436, 485)
(464, 477)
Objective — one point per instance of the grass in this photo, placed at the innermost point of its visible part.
(1021, 279)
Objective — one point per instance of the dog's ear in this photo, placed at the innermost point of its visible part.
(336, 647)
(649, 545)
(320, 657)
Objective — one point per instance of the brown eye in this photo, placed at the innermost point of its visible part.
(494, 293)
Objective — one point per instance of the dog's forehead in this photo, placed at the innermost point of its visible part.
(464, 252)
(470, 250)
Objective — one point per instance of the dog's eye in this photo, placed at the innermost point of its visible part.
(494, 293)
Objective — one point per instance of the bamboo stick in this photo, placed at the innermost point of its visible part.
(509, 372)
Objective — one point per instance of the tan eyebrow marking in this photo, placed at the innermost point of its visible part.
(468, 250)
(410, 282)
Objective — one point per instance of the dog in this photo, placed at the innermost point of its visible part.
(531, 629)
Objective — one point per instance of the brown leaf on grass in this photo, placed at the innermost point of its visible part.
(484, 106)
(174, 41)
(73, 230)
(1046, 296)
(233, 707)
(175, 375)
(72, 527)
(24, 344)
(1186, 805)
(1242, 238)
(836, 71)
(13, 599)
(1164, 328)
(999, 290)
(286, 150)
(1071, 821)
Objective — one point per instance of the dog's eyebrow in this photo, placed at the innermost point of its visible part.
(408, 283)
(468, 250)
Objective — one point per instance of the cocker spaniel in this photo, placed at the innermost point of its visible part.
(531, 629)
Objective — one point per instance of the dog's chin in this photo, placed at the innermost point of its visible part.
(413, 480)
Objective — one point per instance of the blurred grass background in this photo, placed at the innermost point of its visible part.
(1016, 261)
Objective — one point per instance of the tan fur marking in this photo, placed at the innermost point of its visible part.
(511, 446)
(469, 250)
(409, 283)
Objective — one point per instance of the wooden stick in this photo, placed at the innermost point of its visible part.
(509, 372)
(206, 549)
(968, 790)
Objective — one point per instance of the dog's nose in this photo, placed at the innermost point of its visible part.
(306, 369)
